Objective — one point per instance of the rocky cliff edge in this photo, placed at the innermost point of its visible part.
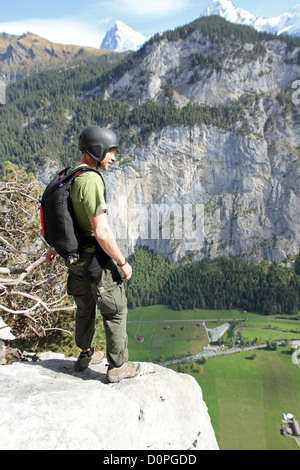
(46, 405)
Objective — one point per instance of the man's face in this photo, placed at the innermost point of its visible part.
(108, 159)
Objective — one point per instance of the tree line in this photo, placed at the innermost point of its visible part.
(222, 283)
(219, 29)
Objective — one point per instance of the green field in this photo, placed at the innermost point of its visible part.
(262, 329)
(246, 398)
(245, 394)
(160, 343)
(162, 312)
(165, 344)
(164, 339)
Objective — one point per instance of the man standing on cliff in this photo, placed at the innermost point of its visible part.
(95, 279)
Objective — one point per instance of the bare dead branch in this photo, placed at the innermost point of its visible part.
(12, 270)
(31, 294)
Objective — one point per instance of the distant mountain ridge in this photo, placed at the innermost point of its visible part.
(121, 38)
(287, 23)
(21, 56)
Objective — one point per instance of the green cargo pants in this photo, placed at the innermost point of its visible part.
(106, 293)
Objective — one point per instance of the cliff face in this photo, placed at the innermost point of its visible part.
(45, 405)
(230, 195)
(236, 188)
(202, 70)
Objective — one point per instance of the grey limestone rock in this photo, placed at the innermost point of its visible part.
(45, 405)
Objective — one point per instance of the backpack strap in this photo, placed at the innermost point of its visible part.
(84, 241)
(66, 177)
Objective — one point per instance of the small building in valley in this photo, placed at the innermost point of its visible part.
(290, 425)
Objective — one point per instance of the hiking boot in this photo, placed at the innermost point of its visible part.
(85, 358)
(97, 357)
(127, 370)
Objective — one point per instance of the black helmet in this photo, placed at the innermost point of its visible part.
(97, 141)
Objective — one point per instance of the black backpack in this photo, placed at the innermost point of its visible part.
(57, 221)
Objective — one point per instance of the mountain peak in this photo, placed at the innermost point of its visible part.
(287, 23)
(121, 38)
(229, 11)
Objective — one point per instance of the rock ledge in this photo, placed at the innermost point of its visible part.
(45, 405)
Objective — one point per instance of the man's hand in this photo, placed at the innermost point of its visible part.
(127, 270)
(51, 255)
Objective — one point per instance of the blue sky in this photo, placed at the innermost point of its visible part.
(84, 22)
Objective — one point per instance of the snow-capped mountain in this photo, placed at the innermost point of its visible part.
(121, 38)
(288, 23)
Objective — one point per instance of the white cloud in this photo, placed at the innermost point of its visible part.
(62, 31)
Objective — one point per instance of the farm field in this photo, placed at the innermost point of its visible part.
(163, 338)
(162, 312)
(246, 398)
(262, 329)
(161, 344)
(246, 393)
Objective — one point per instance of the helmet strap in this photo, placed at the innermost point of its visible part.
(91, 155)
